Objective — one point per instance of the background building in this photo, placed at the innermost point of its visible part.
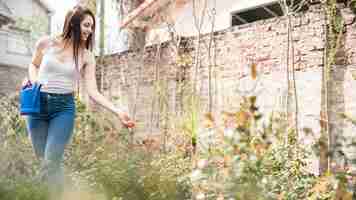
(21, 23)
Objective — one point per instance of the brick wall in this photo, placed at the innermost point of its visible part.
(265, 42)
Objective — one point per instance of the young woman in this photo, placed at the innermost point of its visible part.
(58, 63)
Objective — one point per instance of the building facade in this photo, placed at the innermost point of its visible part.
(264, 42)
(17, 36)
(160, 17)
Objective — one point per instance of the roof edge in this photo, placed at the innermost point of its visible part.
(45, 5)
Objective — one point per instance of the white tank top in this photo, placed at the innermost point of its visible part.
(57, 76)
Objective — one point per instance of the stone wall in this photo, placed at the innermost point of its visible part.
(10, 79)
(263, 42)
(15, 53)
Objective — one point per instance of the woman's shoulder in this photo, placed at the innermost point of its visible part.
(89, 56)
(46, 41)
(43, 42)
(88, 53)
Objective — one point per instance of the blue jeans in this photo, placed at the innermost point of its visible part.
(50, 132)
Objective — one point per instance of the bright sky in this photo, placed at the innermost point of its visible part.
(61, 8)
(114, 42)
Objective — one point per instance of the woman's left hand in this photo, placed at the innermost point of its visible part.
(126, 121)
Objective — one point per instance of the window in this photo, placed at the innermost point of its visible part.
(261, 12)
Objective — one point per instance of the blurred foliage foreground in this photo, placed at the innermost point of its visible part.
(235, 157)
(101, 163)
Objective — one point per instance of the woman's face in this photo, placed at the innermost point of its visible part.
(86, 27)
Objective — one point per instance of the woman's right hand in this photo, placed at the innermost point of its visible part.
(27, 81)
(24, 81)
(126, 121)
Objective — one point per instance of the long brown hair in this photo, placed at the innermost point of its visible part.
(72, 31)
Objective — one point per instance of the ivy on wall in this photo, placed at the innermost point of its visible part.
(36, 25)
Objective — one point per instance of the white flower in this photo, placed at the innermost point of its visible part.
(200, 196)
(253, 158)
(196, 175)
(229, 133)
(202, 163)
(264, 181)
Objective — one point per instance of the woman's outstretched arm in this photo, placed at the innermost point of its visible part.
(92, 90)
